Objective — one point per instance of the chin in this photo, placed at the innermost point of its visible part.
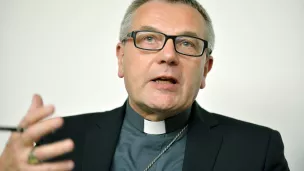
(163, 102)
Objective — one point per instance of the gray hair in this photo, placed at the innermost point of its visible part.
(127, 20)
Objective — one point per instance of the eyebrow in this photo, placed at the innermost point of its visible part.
(184, 33)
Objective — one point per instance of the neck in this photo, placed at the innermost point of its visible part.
(153, 114)
(159, 125)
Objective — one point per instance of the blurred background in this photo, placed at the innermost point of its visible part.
(65, 51)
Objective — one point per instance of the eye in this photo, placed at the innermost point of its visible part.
(187, 44)
(149, 38)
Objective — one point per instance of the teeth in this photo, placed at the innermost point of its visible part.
(163, 82)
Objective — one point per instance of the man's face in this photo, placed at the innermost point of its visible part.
(157, 100)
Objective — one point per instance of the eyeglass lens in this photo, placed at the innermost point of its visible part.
(155, 41)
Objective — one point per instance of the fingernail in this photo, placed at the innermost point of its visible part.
(50, 107)
(71, 164)
(68, 142)
(33, 97)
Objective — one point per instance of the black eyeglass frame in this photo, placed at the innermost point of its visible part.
(167, 37)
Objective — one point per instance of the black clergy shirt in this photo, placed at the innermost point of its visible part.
(141, 141)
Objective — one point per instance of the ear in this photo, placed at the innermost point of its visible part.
(120, 55)
(207, 69)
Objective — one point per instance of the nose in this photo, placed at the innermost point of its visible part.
(169, 54)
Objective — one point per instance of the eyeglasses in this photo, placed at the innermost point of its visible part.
(155, 41)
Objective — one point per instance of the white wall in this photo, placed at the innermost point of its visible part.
(65, 50)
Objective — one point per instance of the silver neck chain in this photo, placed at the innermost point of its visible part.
(166, 148)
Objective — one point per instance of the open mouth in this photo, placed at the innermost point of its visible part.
(165, 80)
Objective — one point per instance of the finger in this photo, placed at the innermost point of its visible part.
(36, 115)
(55, 166)
(38, 130)
(36, 102)
(50, 151)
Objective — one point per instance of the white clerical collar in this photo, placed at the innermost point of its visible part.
(151, 127)
(157, 127)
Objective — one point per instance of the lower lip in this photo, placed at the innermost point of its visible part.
(164, 86)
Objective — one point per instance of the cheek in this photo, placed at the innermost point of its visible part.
(135, 69)
(193, 78)
(194, 73)
(196, 79)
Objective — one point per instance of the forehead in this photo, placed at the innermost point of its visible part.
(169, 18)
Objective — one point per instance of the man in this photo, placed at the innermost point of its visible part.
(164, 56)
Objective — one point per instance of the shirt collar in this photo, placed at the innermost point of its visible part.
(157, 127)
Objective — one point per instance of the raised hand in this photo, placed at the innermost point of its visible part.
(20, 153)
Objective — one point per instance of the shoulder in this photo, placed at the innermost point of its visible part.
(236, 128)
(236, 124)
(253, 139)
(226, 124)
(230, 126)
(87, 119)
(75, 126)
(235, 131)
(244, 134)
